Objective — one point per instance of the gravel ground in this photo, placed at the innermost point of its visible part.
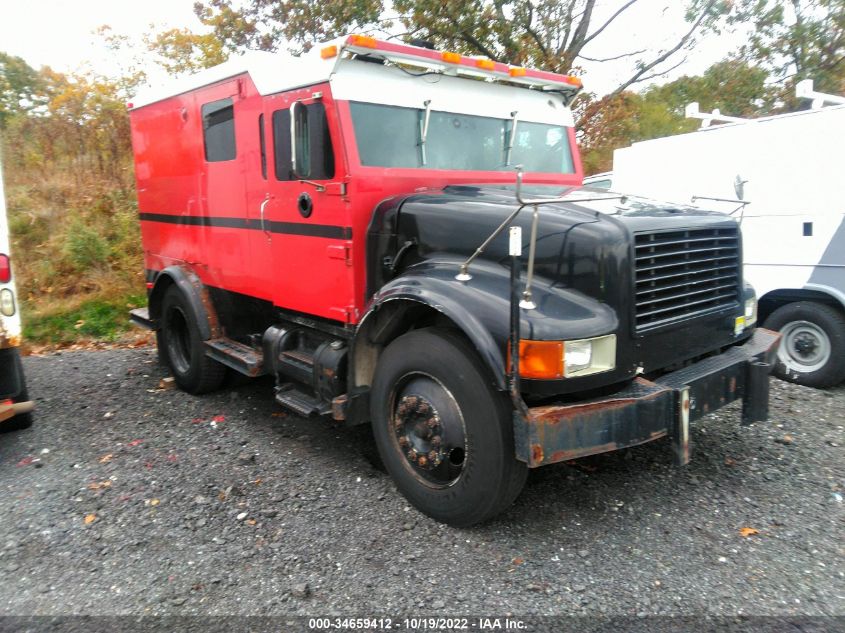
(127, 499)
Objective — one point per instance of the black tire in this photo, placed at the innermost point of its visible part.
(812, 350)
(429, 386)
(182, 348)
(23, 420)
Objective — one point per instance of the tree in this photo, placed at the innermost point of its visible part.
(795, 39)
(21, 87)
(733, 86)
(547, 34)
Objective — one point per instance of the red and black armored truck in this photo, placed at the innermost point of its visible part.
(353, 221)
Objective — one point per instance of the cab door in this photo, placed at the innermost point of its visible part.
(305, 209)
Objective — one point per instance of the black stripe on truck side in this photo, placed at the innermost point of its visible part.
(285, 228)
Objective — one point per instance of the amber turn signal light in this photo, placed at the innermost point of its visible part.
(540, 359)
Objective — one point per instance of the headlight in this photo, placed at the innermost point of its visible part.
(566, 359)
(750, 311)
(7, 302)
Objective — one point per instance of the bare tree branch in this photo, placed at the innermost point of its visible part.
(611, 19)
(638, 76)
(610, 59)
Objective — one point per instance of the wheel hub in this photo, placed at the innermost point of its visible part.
(428, 427)
(418, 430)
(805, 344)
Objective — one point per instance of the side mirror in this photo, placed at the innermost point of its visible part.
(300, 151)
(739, 187)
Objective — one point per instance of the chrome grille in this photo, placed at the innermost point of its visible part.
(684, 274)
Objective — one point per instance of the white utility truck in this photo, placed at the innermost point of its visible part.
(783, 178)
(15, 405)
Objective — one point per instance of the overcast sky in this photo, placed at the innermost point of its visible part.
(58, 33)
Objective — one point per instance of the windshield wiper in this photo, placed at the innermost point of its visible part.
(511, 138)
(424, 130)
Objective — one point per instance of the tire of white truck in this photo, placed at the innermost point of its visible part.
(444, 433)
(181, 346)
(812, 347)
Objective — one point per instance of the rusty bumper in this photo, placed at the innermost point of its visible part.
(647, 410)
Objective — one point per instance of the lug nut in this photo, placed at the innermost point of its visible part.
(412, 455)
(423, 460)
(435, 441)
(433, 456)
(403, 441)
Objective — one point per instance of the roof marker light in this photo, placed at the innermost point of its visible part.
(452, 58)
(517, 72)
(575, 81)
(485, 64)
(364, 41)
(328, 52)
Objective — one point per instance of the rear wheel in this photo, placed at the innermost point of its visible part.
(443, 432)
(182, 348)
(812, 346)
(23, 420)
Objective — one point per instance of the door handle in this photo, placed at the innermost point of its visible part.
(263, 205)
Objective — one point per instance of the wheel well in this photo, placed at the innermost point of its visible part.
(775, 299)
(390, 321)
(157, 295)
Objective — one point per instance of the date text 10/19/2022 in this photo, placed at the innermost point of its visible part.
(416, 624)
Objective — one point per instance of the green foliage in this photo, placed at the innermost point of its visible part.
(793, 40)
(733, 86)
(20, 87)
(85, 247)
(102, 319)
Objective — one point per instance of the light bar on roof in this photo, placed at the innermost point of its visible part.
(454, 64)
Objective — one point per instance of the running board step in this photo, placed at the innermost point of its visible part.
(238, 356)
(141, 318)
(300, 402)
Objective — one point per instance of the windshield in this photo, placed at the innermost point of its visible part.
(391, 136)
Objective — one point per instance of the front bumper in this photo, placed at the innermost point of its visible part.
(647, 410)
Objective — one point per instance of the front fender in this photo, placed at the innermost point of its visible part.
(480, 307)
(196, 293)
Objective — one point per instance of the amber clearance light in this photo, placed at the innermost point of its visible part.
(452, 58)
(517, 72)
(485, 64)
(328, 52)
(363, 40)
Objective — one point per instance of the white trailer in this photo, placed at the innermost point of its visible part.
(15, 405)
(789, 171)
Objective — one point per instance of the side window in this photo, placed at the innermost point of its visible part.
(263, 146)
(315, 155)
(281, 145)
(218, 125)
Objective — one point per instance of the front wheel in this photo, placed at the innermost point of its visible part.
(812, 347)
(444, 433)
(182, 348)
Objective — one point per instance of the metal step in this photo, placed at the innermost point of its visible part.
(300, 356)
(141, 318)
(300, 402)
(238, 356)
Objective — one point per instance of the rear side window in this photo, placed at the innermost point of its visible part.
(218, 125)
(314, 144)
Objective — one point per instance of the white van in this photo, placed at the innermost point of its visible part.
(15, 405)
(788, 170)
